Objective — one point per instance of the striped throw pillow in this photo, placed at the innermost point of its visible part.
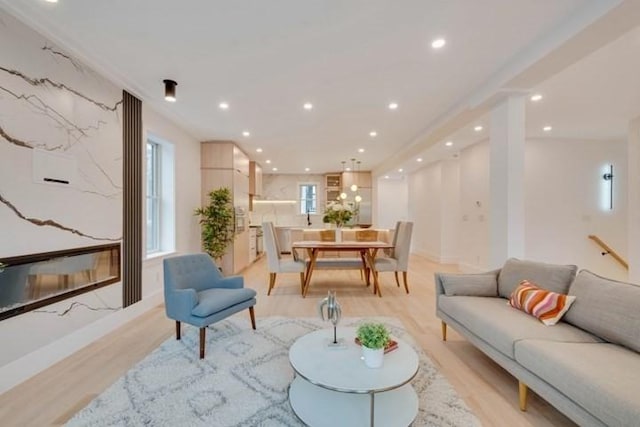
(547, 306)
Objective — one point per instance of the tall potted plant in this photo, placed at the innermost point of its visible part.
(217, 223)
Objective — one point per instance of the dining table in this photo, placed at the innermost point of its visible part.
(367, 250)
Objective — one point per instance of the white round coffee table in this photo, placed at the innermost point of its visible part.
(333, 387)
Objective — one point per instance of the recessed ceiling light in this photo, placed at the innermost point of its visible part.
(547, 128)
(419, 159)
(393, 106)
(274, 169)
(223, 106)
(258, 150)
(448, 143)
(477, 128)
(246, 133)
(386, 177)
(51, 1)
(307, 169)
(438, 43)
(401, 170)
(373, 134)
(267, 161)
(360, 150)
(307, 106)
(536, 97)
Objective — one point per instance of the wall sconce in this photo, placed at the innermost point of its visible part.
(608, 177)
(170, 90)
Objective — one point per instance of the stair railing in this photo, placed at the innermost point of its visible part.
(609, 251)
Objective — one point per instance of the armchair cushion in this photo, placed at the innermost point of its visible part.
(211, 301)
(231, 282)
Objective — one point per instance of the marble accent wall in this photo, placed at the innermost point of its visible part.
(281, 187)
(60, 148)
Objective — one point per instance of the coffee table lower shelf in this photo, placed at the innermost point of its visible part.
(318, 407)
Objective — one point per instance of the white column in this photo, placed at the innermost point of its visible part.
(506, 181)
(633, 194)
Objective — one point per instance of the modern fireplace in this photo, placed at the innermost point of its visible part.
(31, 281)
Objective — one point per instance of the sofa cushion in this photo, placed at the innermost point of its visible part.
(478, 285)
(213, 300)
(607, 308)
(602, 378)
(497, 323)
(554, 277)
(547, 306)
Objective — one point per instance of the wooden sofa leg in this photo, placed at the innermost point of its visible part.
(522, 391)
(177, 330)
(202, 340)
(444, 331)
(253, 318)
(272, 282)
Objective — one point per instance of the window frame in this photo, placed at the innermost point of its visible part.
(153, 197)
(303, 202)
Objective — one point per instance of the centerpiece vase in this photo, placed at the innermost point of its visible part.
(338, 237)
(373, 357)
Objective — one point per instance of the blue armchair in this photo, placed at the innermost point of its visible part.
(195, 292)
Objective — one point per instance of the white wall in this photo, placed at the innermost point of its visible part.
(187, 193)
(564, 203)
(473, 240)
(391, 199)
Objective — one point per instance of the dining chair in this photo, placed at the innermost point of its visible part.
(195, 292)
(328, 235)
(365, 236)
(399, 260)
(275, 262)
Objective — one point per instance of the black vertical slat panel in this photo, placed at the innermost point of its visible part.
(132, 149)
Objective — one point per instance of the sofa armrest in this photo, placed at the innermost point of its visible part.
(180, 302)
(231, 282)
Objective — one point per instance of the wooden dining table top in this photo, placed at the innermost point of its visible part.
(353, 245)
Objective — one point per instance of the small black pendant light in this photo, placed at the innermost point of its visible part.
(170, 90)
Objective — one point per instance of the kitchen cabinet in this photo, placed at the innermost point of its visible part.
(223, 164)
(255, 179)
(333, 186)
(361, 179)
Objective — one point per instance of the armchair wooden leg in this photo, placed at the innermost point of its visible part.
(253, 318)
(404, 279)
(177, 330)
(522, 391)
(444, 331)
(272, 282)
(203, 332)
(395, 273)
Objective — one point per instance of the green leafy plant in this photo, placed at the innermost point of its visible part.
(217, 222)
(373, 335)
(339, 213)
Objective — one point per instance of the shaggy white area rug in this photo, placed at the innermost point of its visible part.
(242, 381)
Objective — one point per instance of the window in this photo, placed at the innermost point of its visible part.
(160, 206)
(308, 199)
(153, 197)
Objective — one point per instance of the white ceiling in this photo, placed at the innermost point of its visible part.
(350, 59)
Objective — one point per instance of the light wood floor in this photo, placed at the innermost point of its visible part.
(53, 396)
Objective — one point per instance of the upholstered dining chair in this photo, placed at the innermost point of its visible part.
(275, 262)
(399, 259)
(195, 292)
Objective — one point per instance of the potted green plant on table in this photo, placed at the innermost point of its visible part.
(373, 337)
(217, 222)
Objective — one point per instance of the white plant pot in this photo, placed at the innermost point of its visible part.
(338, 237)
(373, 357)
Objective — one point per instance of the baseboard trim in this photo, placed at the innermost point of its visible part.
(470, 268)
(37, 361)
(437, 258)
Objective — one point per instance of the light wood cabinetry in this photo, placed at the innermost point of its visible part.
(361, 179)
(223, 164)
(255, 179)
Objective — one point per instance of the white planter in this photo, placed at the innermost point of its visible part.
(373, 357)
(338, 237)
